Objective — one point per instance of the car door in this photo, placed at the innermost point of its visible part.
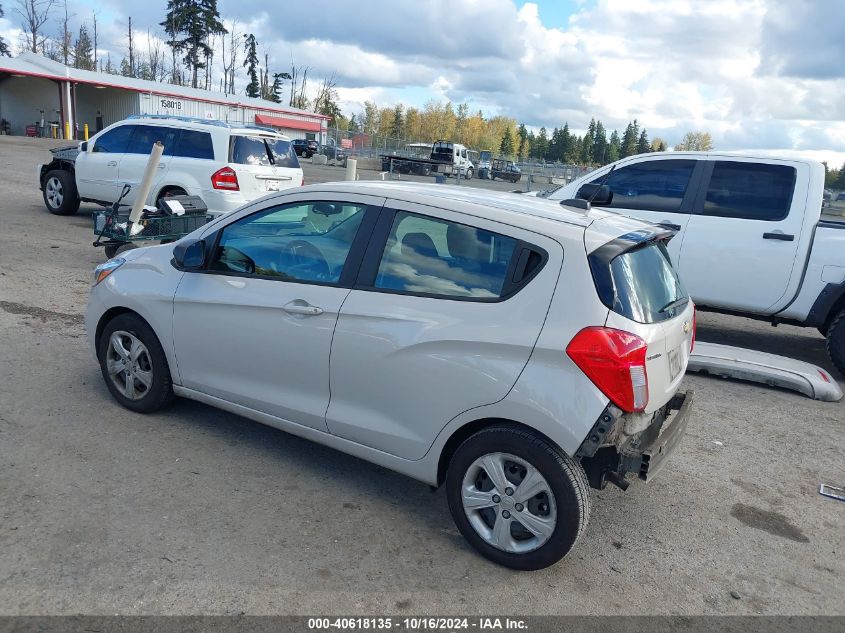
(444, 319)
(133, 164)
(656, 190)
(255, 327)
(743, 239)
(97, 170)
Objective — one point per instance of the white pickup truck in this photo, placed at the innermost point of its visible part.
(753, 237)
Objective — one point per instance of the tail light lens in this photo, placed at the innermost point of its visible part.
(615, 361)
(302, 184)
(225, 178)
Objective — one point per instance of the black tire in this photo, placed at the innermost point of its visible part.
(160, 392)
(59, 192)
(168, 192)
(566, 479)
(836, 341)
(469, 174)
(111, 250)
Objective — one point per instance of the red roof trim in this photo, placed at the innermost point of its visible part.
(293, 124)
(164, 93)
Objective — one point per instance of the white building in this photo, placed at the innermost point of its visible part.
(33, 88)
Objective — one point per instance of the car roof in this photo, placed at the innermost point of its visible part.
(528, 212)
(202, 124)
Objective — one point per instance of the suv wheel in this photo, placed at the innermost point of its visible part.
(60, 193)
(836, 341)
(519, 500)
(134, 365)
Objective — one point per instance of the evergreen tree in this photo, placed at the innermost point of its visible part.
(83, 51)
(614, 147)
(643, 145)
(531, 142)
(840, 180)
(4, 45)
(541, 147)
(253, 88)
(522, 133)
(567, 145)
(629, 140)
(600, 145)
(190, 25)
(397, 128)
(506, 146)
(585, 156)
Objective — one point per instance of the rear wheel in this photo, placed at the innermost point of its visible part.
(133, 364)
(836, 341)
(169, 192)
(60, 193)
(519, 500)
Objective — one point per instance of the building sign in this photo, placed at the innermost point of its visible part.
(346, 143)
(171, 104)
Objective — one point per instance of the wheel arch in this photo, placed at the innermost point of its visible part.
(56, 165)
(460, 434)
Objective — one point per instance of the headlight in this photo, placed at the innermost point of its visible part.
(104, 270)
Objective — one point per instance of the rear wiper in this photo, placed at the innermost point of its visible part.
(674, 304)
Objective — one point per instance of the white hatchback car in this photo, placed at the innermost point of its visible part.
(513, 349)
(227, 165)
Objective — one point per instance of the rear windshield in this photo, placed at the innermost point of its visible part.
(262, 151)
(640, 284)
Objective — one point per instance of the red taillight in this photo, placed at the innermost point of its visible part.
(694, 326)
(302, 184)
(225, 178)
(615, 361)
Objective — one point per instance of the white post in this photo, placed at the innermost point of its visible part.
(351, 169)
(146, 183)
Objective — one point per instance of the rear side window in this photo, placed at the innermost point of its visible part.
(434, 257)
(114, 141)
(145, 136)
(655, 185)
(750, 191)
(195, 144)
(639, 283)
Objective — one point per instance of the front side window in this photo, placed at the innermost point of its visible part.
(195, 144)
(115, 141)
(655, 185)
(430, 256)
(145, 136)
(750, 191)
(295, 242)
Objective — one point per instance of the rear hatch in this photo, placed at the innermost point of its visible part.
(263, 163)
(636, 280)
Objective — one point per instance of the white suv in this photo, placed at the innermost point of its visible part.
(511, 349)
(226, 165)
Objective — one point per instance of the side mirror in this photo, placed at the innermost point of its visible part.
(599, 195)
(83, 146)
(189, 255)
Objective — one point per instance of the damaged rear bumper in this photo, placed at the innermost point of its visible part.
(612, 457)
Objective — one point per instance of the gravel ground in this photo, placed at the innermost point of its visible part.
(193, 510)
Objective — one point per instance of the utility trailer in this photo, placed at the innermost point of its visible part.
(443, 158)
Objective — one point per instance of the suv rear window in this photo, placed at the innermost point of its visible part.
(261, 150)
(639, 283)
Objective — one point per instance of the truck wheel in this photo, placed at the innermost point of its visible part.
(519, 500)
(836, 341)
(60, 194)
(469, 174)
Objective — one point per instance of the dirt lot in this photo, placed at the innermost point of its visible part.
(194, 510)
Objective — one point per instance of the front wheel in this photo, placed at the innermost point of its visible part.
(836, 341)
(134, 365)
(60, 193)
(469, 174)
(519, 500)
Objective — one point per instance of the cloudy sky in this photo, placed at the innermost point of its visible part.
(756, 74)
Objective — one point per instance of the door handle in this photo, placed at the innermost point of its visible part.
(298, 306)
(162, 165)
(670, 225)
(111, 163)
(784, 237)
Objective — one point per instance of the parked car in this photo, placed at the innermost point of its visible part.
(226, 165)
(505, 170)
(752, 239)
(305, 147)
(332, 151)
(271, 312)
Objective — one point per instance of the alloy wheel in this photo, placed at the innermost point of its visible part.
(129, 365)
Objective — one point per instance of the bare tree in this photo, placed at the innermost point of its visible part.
(155, 57)
(298, 84)
(35, 14)
(229, 68)
(67, 38)
(96, 67)
(325, 95)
